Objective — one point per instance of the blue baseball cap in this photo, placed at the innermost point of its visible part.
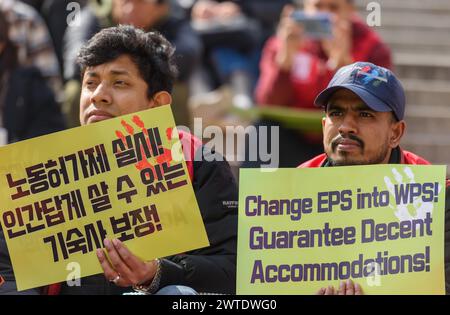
(378, 87)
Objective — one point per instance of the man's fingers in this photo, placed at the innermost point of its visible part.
(109, 272)
(321, 291)
(345, 288)
(329, 290)
(131, 261)
(342, 288)
(358, 289)
(349, 290)
(116, 260)
(140, 271)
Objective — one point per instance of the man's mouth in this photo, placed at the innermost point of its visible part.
(349, 144)
(98, 115)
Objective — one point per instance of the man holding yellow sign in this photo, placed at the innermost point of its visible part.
(365, 106)
(115, 84)
(374, 221)
(125, 71)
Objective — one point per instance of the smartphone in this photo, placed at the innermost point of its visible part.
(316, 26)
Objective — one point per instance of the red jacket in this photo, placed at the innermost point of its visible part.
(405, 158)
(309, 75)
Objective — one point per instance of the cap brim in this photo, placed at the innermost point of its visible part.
(371, 100)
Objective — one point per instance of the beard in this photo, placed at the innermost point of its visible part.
(347, 159)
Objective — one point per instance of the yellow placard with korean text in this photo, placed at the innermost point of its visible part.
(125, 178)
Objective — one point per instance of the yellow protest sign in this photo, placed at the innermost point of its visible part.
(380, 225)
(125, 178)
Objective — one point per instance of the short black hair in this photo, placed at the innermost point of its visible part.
(151, 52)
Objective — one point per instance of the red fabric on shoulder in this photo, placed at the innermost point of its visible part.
(314, 162)
(413, 159)
(53, 289)
(190, 145)
(406, 158)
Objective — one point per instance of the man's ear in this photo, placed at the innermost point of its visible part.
(160, 98)
(397, 131)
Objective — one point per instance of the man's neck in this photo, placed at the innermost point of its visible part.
(396, 156)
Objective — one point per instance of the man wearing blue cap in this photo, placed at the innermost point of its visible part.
(364, 108)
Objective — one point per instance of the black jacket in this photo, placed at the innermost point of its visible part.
(30, 109)
(211, 269)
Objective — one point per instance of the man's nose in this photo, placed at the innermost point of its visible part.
(348, 125)
(101, 95)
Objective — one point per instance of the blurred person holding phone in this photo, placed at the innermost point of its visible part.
(296, 65)
(231, 37)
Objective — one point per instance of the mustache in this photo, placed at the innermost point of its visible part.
(339, 138)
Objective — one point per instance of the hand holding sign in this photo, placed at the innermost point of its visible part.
(125, 269)
(60, 202)
(345, 288)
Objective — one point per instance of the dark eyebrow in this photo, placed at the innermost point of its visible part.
(120, 72)
(331, 106)
(94, 74)
(362, 107)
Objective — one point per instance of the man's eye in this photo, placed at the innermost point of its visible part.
(90, 83)
(334, 113)
(365, 114)
(120, 83)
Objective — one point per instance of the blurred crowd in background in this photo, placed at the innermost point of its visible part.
(233, 57)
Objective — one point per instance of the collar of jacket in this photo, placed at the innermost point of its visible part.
(395, 158)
